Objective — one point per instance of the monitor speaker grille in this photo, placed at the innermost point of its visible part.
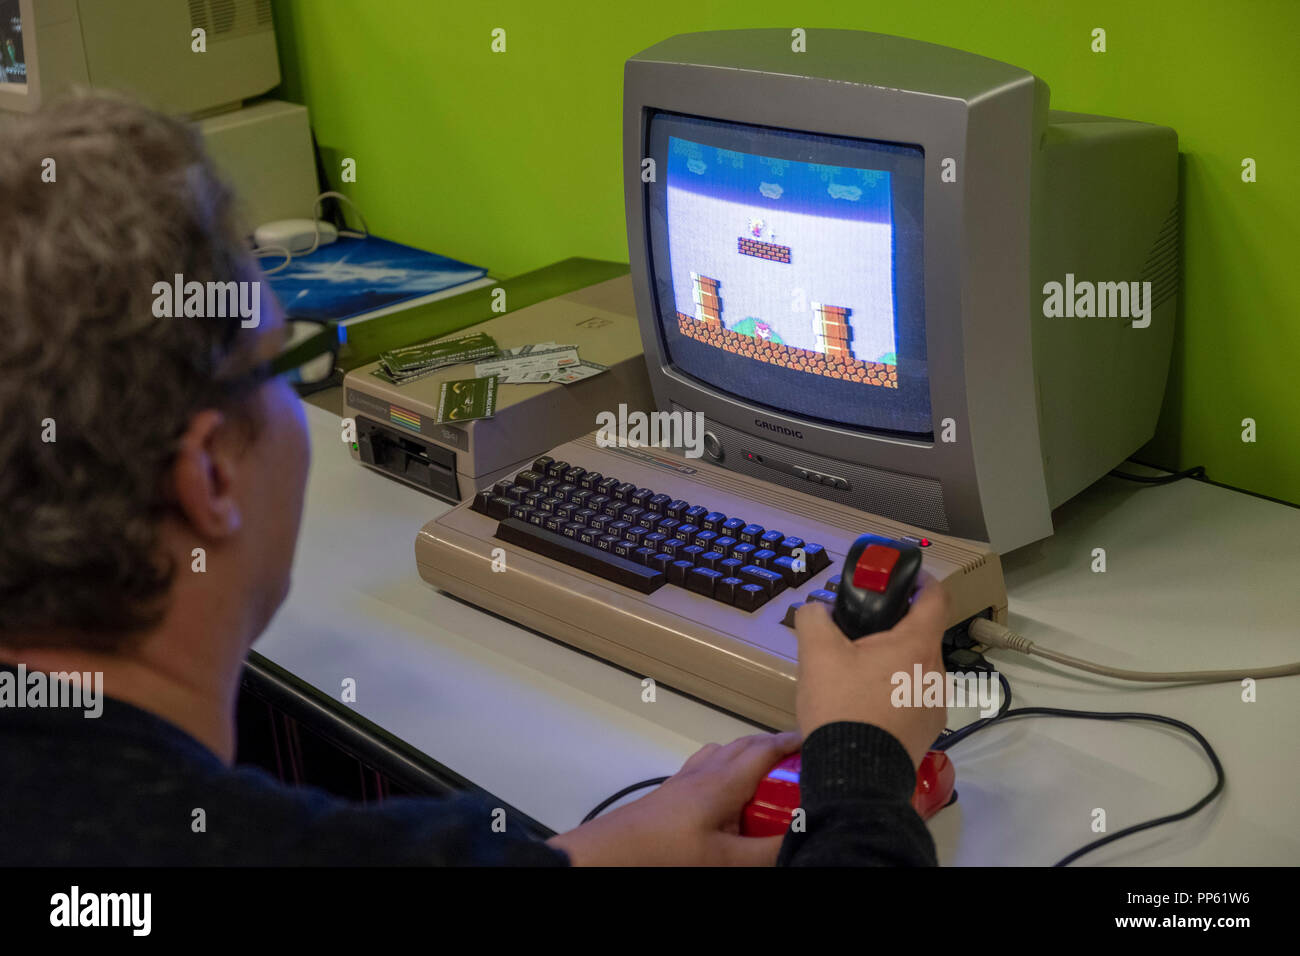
(228, 19)
(908, 498)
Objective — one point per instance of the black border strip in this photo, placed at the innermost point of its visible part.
(366, 740)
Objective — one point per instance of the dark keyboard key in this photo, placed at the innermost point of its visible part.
(481, 501)
(614, 509)
(624, 549)
(724, 543)
(743, 552)
(725, 589)
(574, 554)
(583, 516)
(694, 513)
(732, 526)
(709, 559)
(565, 491)
(751, 533)
(687, 532)
(589, 536)
(660, 562)
(597, 503)
(540, 464)
(713, 521)
(641, 496)
(659, 503)
(537, 516)
(678, 570)
(643, 555)
(517, 492)
(607, 486)
(533, 498)
(529, 479)
(750, 597)
(556, 468)
(580, 497)
(599, 522)
(591, 479)
(816, 558)
(565, 511)
(730, 566)
(702, 581)
(606, 542)
(833, 583)
(763, 557)
(572, 530)
(691, 553)
(672, 546)
(574, 475)
(634, 514)
(655, 540)
(770, 539)
(521, 512)
(548, 504)
(502, 486)
(499, 507)
(825, 597)
(551, 522)
(789, 544)
(770, 581)
(548, 485)
(705, 538)
(625, 491)
(676, 508)
(784, 566)
(790, 612)
(666, 524)
(635, 534)
(617, 528)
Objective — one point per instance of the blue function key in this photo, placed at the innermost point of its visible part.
(750, 597)
(725, 589)
(709, 559)
(751, 533)
(713, 521)
(732, 526)
(770, 581)
(705, 538)
(702, 581)
(787, 545)
(660, 562)
(643, 555)
(785, 567)
(687, 532)
(763, 557)
(770, 539)
(677, 572)
(743, 552)
(724, 543)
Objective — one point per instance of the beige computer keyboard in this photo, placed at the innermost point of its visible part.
(702, 604)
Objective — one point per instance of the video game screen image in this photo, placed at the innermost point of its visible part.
(13, 65)
(790, 263)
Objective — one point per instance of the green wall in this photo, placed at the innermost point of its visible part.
(513, 160)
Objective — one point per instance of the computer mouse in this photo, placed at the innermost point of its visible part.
(296, 235)
(876, 585)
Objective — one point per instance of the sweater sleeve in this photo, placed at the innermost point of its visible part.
(856, 785)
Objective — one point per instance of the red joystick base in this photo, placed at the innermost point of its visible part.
(770, 811)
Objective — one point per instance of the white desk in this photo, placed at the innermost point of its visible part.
(1197, 577)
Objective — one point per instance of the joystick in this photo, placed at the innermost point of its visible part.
(875, 587)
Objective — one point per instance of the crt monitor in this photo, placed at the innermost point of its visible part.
(843, 246)
(145, 48)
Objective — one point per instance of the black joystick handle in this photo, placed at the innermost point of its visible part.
(875, 586)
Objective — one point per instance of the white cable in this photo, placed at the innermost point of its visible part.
(288, 254)
(996, 635)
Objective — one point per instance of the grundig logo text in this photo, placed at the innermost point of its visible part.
(778, 428)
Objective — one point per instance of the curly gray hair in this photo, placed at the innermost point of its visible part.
(133, 201)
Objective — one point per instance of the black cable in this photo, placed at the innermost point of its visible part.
(1219, 780)
(652, 782)
(1197, 472)
(950, 737)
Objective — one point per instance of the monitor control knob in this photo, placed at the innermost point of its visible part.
(713, 447)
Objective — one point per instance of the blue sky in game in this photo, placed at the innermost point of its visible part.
(837, 222)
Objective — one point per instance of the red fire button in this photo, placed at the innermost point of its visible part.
(874, 566)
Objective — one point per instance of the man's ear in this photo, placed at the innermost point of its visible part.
(203, 476)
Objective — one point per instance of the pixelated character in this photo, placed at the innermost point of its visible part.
(757, 328)
(756, 227)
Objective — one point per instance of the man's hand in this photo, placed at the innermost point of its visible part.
(841, 679)
(693, 819)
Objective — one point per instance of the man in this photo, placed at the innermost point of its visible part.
(151, 486)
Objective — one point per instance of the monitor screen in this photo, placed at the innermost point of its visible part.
(13, 65)
(788, 269)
